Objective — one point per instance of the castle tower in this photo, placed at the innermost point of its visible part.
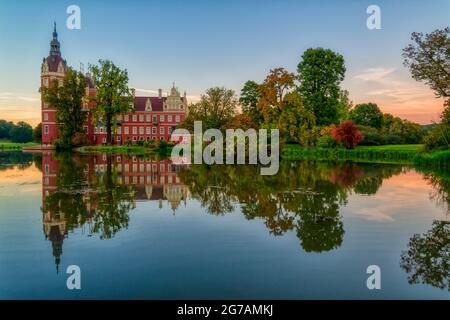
(53, 68)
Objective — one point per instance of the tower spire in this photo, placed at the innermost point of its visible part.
(54, 44)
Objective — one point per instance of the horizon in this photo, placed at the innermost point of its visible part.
(226, 53)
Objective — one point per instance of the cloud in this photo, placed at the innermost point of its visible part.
(375, 74)
(11, 96)
(395, 92)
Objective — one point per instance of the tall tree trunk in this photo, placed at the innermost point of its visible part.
(108, 130)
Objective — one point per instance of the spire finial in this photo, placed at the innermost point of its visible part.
(55, 34)
(54, 44)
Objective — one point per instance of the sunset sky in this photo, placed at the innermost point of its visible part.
(200, 44)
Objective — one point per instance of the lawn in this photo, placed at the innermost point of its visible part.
(8, 145)
(395, 147)
(403, 154)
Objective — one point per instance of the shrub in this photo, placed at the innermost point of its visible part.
(438, 138)
(128, 142)
(347, 134)
(60, 145)
(392, 139)
(140, 143)
(80, 139)
(150, 143)
(326, 141)
(371, 136)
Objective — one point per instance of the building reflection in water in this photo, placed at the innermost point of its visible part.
(97, 192)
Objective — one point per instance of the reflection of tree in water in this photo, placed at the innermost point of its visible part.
(82, 198)
(440, 183)
(427, 259)
(113, 202)
(17, 159)
(304, 196)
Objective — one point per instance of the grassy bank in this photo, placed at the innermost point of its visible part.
(403, 154)
(116, 149)
(8, 145)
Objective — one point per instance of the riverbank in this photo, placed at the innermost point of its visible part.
(399, 154)
(8, 145)
(116, 149)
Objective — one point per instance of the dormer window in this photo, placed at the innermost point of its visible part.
(60, 68)
(148, 105)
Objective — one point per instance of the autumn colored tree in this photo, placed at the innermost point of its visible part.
(273, 90)
(241, 121)
(113, 96)
(347, 134)
(282, 107)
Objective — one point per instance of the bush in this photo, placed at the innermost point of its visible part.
(438, 138)
(80, 139)
(392, 139)
(129, 143)
(140, 143)
(326, 142)
(347, 134)
(61, 145)
(150, 143)
(371, 136)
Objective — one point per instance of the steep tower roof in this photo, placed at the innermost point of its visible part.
(54, 61)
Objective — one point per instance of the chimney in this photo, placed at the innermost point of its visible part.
(159, 93)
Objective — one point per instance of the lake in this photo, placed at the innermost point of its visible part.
(143, 228)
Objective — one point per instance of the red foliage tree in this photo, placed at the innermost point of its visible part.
(347, 134)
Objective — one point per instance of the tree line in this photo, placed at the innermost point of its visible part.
(309, 106)
(20, 132)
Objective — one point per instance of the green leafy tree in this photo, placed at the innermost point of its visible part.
(250, 95)
(367, 114)
(21, 132)
(428, 59)
(68, 101)
(113, 96)
(320, 73)
(294, 122)
(5, 128)
(37, 133)
(215, 109)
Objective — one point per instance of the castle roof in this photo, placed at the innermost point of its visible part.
(157, 103)
(53, 63)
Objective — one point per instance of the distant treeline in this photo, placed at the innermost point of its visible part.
(20, 132)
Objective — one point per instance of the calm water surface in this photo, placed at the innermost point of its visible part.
(144, 228)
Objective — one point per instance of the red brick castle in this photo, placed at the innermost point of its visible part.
(153, 117)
